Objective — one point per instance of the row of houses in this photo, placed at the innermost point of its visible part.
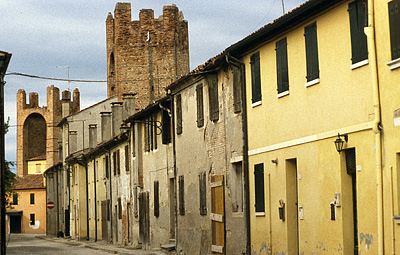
(284, 143)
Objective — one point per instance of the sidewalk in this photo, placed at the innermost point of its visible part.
(104, 246)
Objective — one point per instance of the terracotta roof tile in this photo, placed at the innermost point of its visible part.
(30, 181)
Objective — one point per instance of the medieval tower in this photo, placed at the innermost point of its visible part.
(144, 56)
(37, 131)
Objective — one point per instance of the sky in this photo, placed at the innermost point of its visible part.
(54, 38)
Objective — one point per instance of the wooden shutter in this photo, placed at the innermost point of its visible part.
(166, 127)
(147, 135)
(156, 199)
(310, 34)
(237, 89)
(119, 209)
(179, 114)
(259, 187)
(213, 96)
(394, 20)
(203, 193)
(115, 162)
(155, 127)
(350, 161)
(200, 109)
(181, 195)
(357, 15)
(133, 141)
(255, 77)
(127, 158)
(118, 163)
(282, 66)
(107, 167)
(217, 214)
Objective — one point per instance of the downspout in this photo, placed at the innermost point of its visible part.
(110, 205)
(87, 203)
(58, 204)
(95, 201)
(241, 65)
(370, 32)
(175, 171)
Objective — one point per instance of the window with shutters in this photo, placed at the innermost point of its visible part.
(394, 20)
(151, 132)
(237, 89)
(179, 114)
(32, 219)
(259, 187)
(107, 167)
(118, 163)
(119, 209)
(32, 202)
(255, 78)
(133, 140)
(127, 158)
(213, 96)
(114, 155)
(15, 199)
(203, 193)
(156, 199)
(358, 20)
(282, 66)
(200, 109)
(181, 195)
(310, 34)
(166, 123)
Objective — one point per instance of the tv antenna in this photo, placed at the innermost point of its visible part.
(283, 7)
(68, 71)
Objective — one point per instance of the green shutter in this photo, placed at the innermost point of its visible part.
(310, 34)
(237, 89)
(282, 66)
(394, 20)
(213, 96)
(200, 109)
(357, 15)
(255, 77)
(259, 187)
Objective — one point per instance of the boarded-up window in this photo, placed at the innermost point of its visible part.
(179, 114)
(237, 89)
(32, 198)
(118, 163)
(166, 125)
(127, 158)
(259, 187)
(255, 77)
(394, 20)
(203, 193)
(119, 209)
(282, 66)
(200, 109)
(181, 195)
(115, 162)
(358, 20)
(156, 199)
(213, 96)
(310, 34)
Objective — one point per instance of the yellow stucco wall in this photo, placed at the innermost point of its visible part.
(78, 202)
(36, 166)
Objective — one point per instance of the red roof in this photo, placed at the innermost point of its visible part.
(30, 181)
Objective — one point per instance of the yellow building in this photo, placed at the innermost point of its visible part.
(311, 81)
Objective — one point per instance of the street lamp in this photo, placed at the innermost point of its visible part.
(4, 60)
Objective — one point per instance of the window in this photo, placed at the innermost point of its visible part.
(166, 124)
(200, 109)
(181, 195)
(38, 168)
(115, 162)
(32, 198)
(237, 89)
(213, 96)
(106, 167)
(15, 199)
(203, 193)
(179, 114)
(259, 187)
(255, 77)
(127, 158)
(282, 66)
(394, 19)
(237, 187)
(156, 199)
(32, 220)
(310, 34)
(358, 19)
(118, 163)
(119, 209)
(151, 132)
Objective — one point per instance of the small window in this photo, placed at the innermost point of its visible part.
(310, 34)
(38, 168)
(255, 77)
(203, 193)
(358, 20)
(179, 114)
(200, 109)
(237, 187)
(181, 195)
(259, 187)
(32, 198)
(156, 199)
(15, 199)
(32, 220)
(213, 96)
(394, 20)
(282, 66)
(127, 158)
(151, 133)
(237, 89)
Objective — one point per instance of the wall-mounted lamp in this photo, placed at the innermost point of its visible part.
(275, 161)
(339, 142)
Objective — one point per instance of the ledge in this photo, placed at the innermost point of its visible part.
(260, 214)
(394, 64)
(256, 104)
(313, 82)
(282, 94)
(359, 64)
(397, 219)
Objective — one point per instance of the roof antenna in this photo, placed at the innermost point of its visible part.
(283, 7)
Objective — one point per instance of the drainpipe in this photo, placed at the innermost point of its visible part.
(175, 171)
(110, 205)
(370, 32)
(240, 64)
(58, 204)
(87, 203)
(95, 201)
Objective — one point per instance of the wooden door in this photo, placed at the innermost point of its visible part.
(144, 218)
(15, 224)
(104, 220)
(217, 214)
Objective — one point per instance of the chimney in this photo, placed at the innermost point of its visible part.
(128, 105)
(92, 136)
(105, 126)
(116, 109)
(72, 140)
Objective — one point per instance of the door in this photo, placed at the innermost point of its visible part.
(104, 220)
(352, 183)
(172, 208)
(144, 218)
(66, 222)
(15, 224)
(217, 214)
(292, 206)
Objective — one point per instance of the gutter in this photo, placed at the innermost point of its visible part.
(370, 32)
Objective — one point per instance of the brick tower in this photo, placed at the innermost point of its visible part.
(37, 131)
(144, 56)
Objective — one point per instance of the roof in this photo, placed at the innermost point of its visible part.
(148, 110)
(30, 181)
(41, 157)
